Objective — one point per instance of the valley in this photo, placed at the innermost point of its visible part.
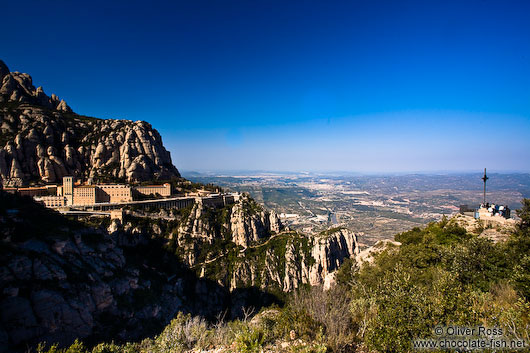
(379, 206)
(130, 254)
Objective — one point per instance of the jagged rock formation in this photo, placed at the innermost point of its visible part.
(292, 259)
(329, 250)
(249, 223)
(245, 222)
(244, 245)
(42, 140)
(18, 87)
(198, 226)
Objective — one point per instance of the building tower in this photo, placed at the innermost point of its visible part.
(68, 189)
(484, 179)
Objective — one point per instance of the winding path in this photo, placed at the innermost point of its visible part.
(240, 251)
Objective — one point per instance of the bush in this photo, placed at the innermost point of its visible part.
(107, 348)
(313, 311)
(183, 333)
(400, 308)
(250, 340)
(76, 347)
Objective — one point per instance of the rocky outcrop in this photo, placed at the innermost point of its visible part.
(42, 140)
(281, 261)
(62, 280)
(18, 87)
(249, 222)
(314, 260)
(198, 225)
(244, 245)
(495, 228)
(329, 250)
(243, 223)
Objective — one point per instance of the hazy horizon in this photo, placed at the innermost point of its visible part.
(366, 86)
(250, 172)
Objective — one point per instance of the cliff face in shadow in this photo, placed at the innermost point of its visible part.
(62, 280)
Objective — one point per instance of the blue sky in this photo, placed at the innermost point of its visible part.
(366, 86)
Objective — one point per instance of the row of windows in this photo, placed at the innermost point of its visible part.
(58, 204)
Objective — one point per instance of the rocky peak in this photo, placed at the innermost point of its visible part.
(42, 140)
(18, 87)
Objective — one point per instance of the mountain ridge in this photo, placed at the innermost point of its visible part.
(42, 140)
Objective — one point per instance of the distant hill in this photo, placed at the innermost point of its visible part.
(42, 140)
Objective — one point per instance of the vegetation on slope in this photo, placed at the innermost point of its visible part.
(441, 275)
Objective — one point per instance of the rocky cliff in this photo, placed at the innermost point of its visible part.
(249, 222)
(63, 279)
(244, 245)
(288, 260)
(244, 222)
(42, 140)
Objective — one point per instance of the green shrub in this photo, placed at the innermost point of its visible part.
(308, 348)
(107, 348)
(250, 339)
(76, 347)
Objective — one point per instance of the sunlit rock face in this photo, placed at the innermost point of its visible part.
(18, 87)
(297, 260)
(257, 250)
(249, 224)
(43, 140)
